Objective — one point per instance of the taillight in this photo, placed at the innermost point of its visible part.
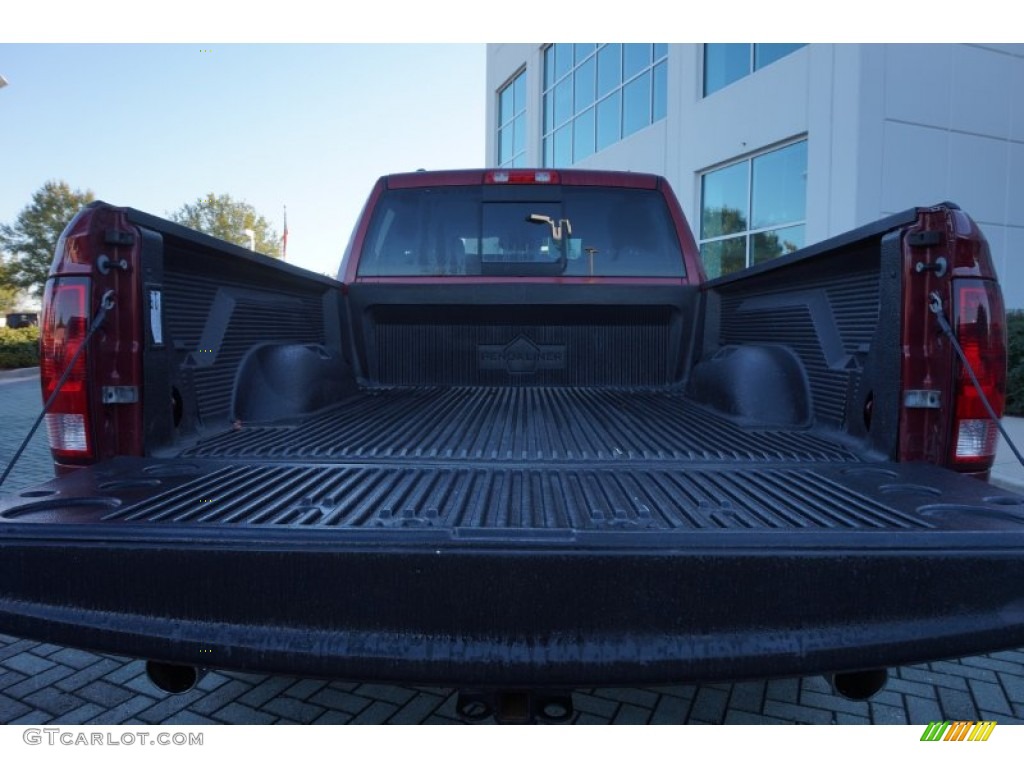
(521, 177)
(978, 321)
(64, 328)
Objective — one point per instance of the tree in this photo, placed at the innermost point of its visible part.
(227, 218)
(730, 254)
(32, 239)
(8, 290)
(722, 221)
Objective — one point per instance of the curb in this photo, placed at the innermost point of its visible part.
(19, 373)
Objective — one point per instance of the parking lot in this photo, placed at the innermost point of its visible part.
(44, 683)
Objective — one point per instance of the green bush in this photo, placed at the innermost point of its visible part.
(1015, 363)
(19, 347)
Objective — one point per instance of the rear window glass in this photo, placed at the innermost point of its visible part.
(584, 231)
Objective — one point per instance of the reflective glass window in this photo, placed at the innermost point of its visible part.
(772, 243)
(577, 232)
(609, 120)
(609, 68)
(721, 257)
(724, 201)
(512, 122)
(629, 82)
(636, 104)
(563, 146)
(563, 101)
(766, 53)
(779, 181)
(754, 210)
(583, 94)
(725, 63)
(635, 58)
(660, 92)
(582, 50)
(563, 59)
(583, 135)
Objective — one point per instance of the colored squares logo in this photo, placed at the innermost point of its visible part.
(958, 730)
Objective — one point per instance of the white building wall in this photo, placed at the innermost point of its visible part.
(952, 122)
(646, 151)
(765, 109)
(888, 127)
(504, 62)
(841, 141)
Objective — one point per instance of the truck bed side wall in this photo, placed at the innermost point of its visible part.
(838, 310)
(231, 332)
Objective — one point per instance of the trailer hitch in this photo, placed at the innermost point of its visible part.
(516, 707)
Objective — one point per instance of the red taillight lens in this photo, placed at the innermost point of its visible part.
(978, 321)
(65, 325)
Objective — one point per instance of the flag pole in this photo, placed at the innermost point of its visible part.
(284, 237)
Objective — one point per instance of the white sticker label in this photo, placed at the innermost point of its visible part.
(155, 321)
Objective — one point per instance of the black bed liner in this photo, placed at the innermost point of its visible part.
(516, 424)
(513, 461)
(559, 576)
(461, 499)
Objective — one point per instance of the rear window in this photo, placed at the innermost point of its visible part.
(567, 231)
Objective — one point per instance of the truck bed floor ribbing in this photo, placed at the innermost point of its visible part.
(519, 424)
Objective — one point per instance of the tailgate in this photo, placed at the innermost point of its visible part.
(538, 573)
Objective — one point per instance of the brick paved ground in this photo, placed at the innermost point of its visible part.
(44, 683)
(20, 403)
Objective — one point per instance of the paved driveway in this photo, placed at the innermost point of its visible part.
(43, 683)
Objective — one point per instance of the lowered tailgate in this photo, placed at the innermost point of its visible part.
(488, 570)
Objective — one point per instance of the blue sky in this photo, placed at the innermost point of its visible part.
(157, 124)
(309, 126)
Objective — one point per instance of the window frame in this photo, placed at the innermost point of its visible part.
(516, 159)
(748, 234)
(553, 131)
(752, 66)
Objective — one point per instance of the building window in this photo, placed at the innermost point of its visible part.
(753, 210)
(725, 63)
(596, 94)
(512, 123)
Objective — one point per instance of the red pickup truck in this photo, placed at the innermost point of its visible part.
(521, 443)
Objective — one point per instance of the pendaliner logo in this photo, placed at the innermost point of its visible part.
(958, 730)
(521, 356)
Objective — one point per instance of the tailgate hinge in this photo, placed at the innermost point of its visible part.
(939, 267)
(922, 398)
(118, 237)
(120, 395)
(924, 239)
(104, 264)
(928, 239)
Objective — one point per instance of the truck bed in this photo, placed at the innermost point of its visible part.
(520, 484)
(506, 458)
(530, 459)
(510, 424)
